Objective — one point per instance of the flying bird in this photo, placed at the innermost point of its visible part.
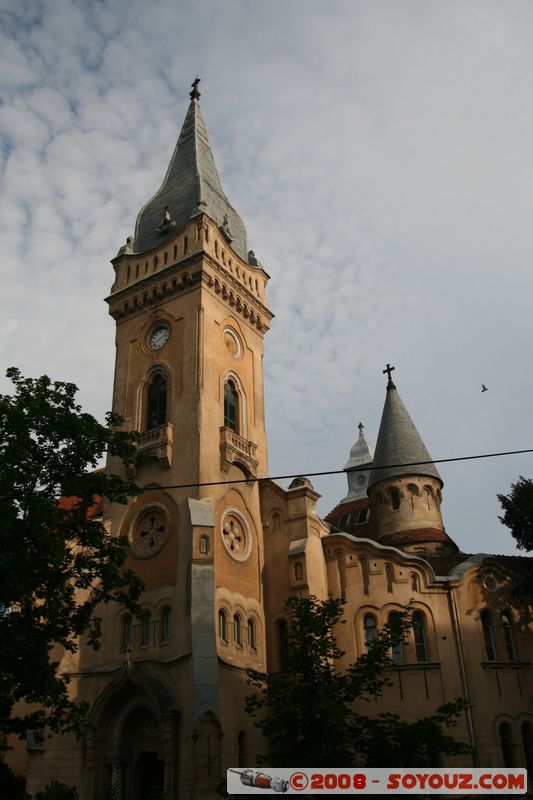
(483, 387)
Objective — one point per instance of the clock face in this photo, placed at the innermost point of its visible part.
(158, 337)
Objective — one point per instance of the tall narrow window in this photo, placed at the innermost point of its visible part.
(420, 637)
(506, 742)
(126, 633)
(251, 634)
(370, 629)
(166, 622)
(231, 406)
(395, 499)
(488, 635)
(222, 624)
(527, 744)
(508, 635)
(414, 582)
(364, 573)
(283, 643)
(241, 747)
(146, 628)
(396, 649)
(389, 576)
(237, 632)
(156, 402)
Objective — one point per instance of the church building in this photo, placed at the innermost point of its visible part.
(220, 552)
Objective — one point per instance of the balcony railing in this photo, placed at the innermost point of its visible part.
(158, 443)
(234, 449)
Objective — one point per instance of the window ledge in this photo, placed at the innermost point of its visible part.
(506, 664)
(415, 665)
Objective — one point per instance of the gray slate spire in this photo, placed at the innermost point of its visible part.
(191, 185)
(399, 443)
(361, 455)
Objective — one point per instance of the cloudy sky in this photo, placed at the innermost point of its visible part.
(380, 155)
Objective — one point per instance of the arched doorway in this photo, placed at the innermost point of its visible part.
(133, 750)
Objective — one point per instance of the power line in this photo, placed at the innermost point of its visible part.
(363, 468)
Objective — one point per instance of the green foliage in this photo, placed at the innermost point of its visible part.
(57, 564)
(57, 791)
(518, 517)
(11, 785)
(518, 512)
(307, 715)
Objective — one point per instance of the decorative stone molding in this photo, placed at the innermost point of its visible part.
(236, 534)
(236, 450)
(158, 443)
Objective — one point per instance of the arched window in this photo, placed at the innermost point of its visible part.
(146, 628)
(251, 634)
(283, 643)
(156, 405)
(370, 629)
(231, 406)
(222, 626)
(204, 545)
(389, 576)
(395, 499)
(527, 743)
(166, 624)
(298, 571)
(414, 582)
(488, 635)
(420, 637)
(508, 635)
(397, 649)
(506, 742)
(126, 633)
(237, 632)
(241, 749)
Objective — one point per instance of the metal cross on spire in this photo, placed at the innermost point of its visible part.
(388, 369)
(195, 94)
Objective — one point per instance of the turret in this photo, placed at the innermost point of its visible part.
(405, 487)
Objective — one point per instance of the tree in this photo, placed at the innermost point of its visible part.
(518, 517)
(518, 512)
(57, 562)
(307, 715)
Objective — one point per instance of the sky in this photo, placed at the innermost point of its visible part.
(380, 156)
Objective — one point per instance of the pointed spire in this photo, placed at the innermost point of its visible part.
(361, 455)
(399, 442)
(190, 186)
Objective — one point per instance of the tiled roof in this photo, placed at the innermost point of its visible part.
(67, 503)
(191, 185)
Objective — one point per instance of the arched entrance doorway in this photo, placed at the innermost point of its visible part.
(134, 741)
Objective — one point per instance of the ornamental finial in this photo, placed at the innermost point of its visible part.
(388, 370)
(195, 94)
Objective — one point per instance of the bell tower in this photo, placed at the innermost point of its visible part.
(191, 313)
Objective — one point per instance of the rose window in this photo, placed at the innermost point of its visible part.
(236, 534)
(150, 533)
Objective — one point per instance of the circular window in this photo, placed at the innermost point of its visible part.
(232, 343)
(236, 534)
(158, 336)
(149, 532)
(491, 582)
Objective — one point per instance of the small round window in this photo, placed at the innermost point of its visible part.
(491, 582)
(232, 343)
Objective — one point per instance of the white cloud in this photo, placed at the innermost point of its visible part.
(380, 157)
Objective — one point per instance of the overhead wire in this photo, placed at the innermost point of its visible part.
(363, 468)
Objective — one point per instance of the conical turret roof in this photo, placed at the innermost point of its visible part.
(399, 443)
(191, 185)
